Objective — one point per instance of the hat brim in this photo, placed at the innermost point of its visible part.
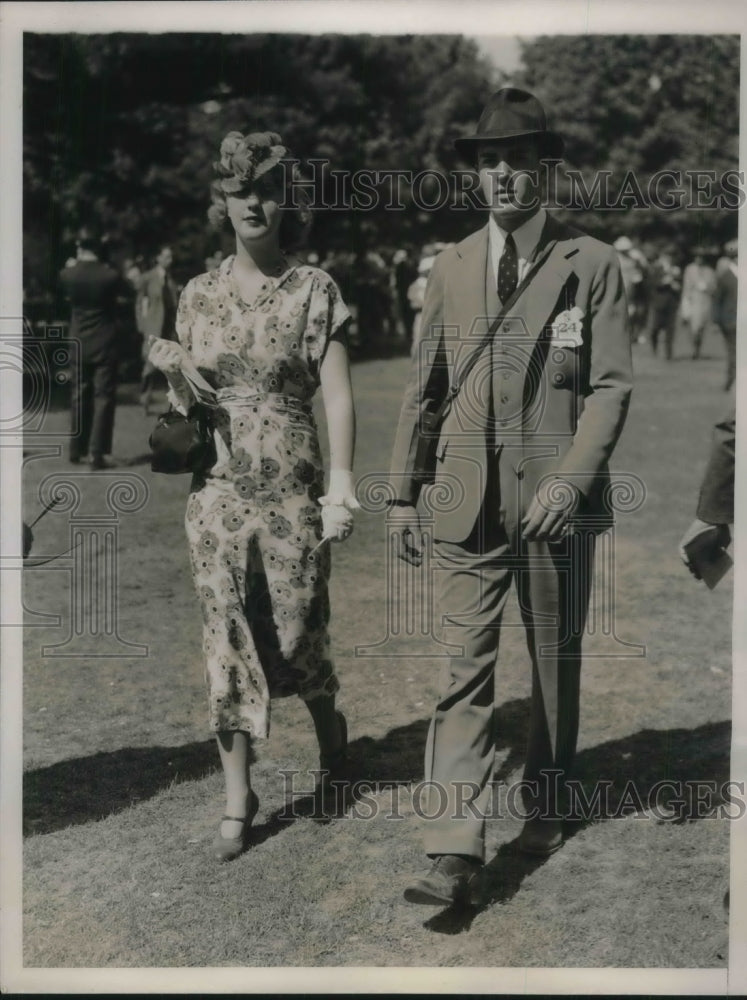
(551, 143)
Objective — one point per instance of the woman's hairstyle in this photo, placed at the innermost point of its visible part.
(246, 158)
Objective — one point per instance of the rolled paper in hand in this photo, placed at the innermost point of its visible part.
(337, 522)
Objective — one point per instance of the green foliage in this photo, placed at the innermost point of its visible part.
(122, 129)
(643, 103)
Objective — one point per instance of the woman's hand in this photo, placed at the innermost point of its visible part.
(167, 355)
(341, 492)
(337, 522)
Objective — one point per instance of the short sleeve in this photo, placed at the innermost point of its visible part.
(184, 317)
(327, 318)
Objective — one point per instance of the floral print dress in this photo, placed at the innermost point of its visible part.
(253, 519)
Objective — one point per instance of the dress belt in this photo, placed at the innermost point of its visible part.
(276, 400)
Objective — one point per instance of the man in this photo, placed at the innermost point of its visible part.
(95, 292)
(524, 450)
(665, 298)
(725, 308)
(632, 268)
(709, 533)
(403, 274)
(155, 311)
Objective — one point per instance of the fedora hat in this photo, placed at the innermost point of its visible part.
(512, 114)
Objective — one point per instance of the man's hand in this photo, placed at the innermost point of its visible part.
(549, 514)
(406, 520)
(706, 537)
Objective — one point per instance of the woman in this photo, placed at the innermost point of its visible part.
(155, 312)
(696, 306)
(265, 331)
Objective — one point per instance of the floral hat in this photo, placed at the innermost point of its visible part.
(244, 158)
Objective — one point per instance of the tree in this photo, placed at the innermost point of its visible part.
(637, 105)
(122, 130)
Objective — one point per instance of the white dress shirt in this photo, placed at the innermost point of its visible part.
(526, 238)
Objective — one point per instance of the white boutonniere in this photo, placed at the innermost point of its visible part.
(567, 328)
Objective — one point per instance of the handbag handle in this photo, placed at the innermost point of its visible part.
(200, 388)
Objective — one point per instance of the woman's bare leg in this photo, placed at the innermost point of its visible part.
(235, 756)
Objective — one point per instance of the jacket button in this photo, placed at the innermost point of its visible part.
(504, 398)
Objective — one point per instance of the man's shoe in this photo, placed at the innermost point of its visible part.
(452, 879)
(99, 462)
(541, 837)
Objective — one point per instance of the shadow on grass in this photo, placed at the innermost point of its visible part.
(86, 789)
(630, 768)
(89, 788)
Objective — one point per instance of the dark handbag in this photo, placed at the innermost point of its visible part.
(182, 443)
(428, 431)
(433, 414)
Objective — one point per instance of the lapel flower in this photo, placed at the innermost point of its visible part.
(567, 328)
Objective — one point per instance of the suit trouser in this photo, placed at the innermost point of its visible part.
(663, 317)
(472, 584)
(730, 338)
(93, 402)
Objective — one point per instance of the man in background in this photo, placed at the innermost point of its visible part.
(155, 311)
(665, 300)
(95, 292)
(725, 308)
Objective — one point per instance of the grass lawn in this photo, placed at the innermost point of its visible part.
(122, 792)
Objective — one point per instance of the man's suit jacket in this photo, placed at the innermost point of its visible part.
(155, 315)
(557, 411)
(94, 290)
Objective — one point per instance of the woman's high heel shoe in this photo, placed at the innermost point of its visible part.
(228, 848)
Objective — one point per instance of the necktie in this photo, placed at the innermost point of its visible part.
(508, 270)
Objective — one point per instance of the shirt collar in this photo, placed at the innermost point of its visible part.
(526, 237)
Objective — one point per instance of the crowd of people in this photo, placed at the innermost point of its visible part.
(676, 300)
(665, 299)
(673, 299)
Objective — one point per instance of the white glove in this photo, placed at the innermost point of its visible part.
(341, 491)
(337, 523)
